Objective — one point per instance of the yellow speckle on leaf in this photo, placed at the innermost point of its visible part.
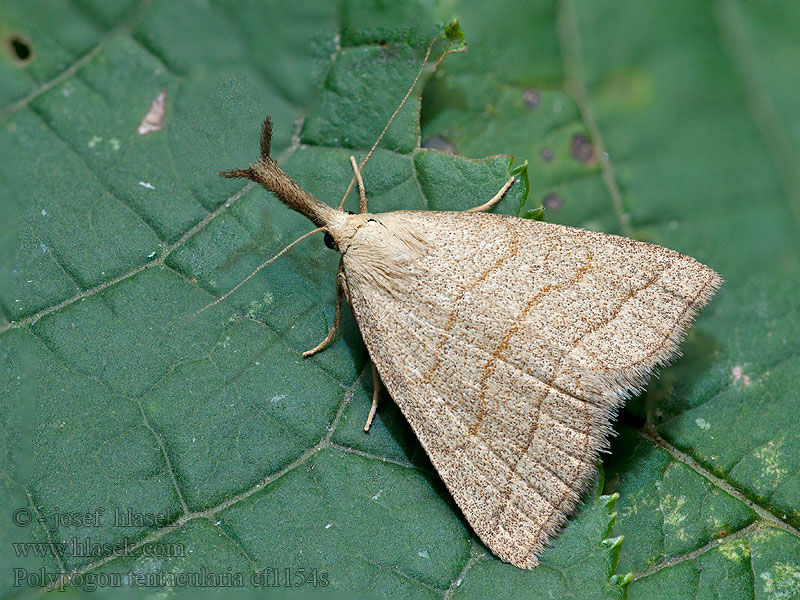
(771, 456)
(736, 551)
(254, 307)
(670, 508)
(764, 537)
(782, 582)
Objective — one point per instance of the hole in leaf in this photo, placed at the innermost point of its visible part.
(20, 48)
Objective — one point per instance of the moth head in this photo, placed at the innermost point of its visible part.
(348, 227)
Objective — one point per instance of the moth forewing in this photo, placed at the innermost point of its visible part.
(508, 344)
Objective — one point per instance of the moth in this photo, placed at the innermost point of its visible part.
(508, 344)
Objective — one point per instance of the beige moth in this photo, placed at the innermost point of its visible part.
(508, 344)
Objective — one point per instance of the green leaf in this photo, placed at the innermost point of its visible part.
(145, 442)
(694, 104)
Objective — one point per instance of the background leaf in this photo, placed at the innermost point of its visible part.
(671, 123)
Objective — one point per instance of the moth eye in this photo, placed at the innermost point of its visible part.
(349, 212)
(329, 242)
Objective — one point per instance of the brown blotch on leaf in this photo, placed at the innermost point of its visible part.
(552, 202)
(441, 143)
(20, 49)
(581, 149)
(154, 119)
(547, 154)
(531, 98)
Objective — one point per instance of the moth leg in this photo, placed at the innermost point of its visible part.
(362, 197)
(376, 392)
(336, 317)
(497, 197)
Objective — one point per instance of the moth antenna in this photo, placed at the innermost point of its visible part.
(266, 138)
(362, 196)
(391, 119)
(256, 271)
(265, 171)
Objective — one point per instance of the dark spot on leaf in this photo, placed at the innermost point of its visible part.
(20, 49)
(552, 202)
(531, 98)
(547, 154)
(581, 149)
(441, 143)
